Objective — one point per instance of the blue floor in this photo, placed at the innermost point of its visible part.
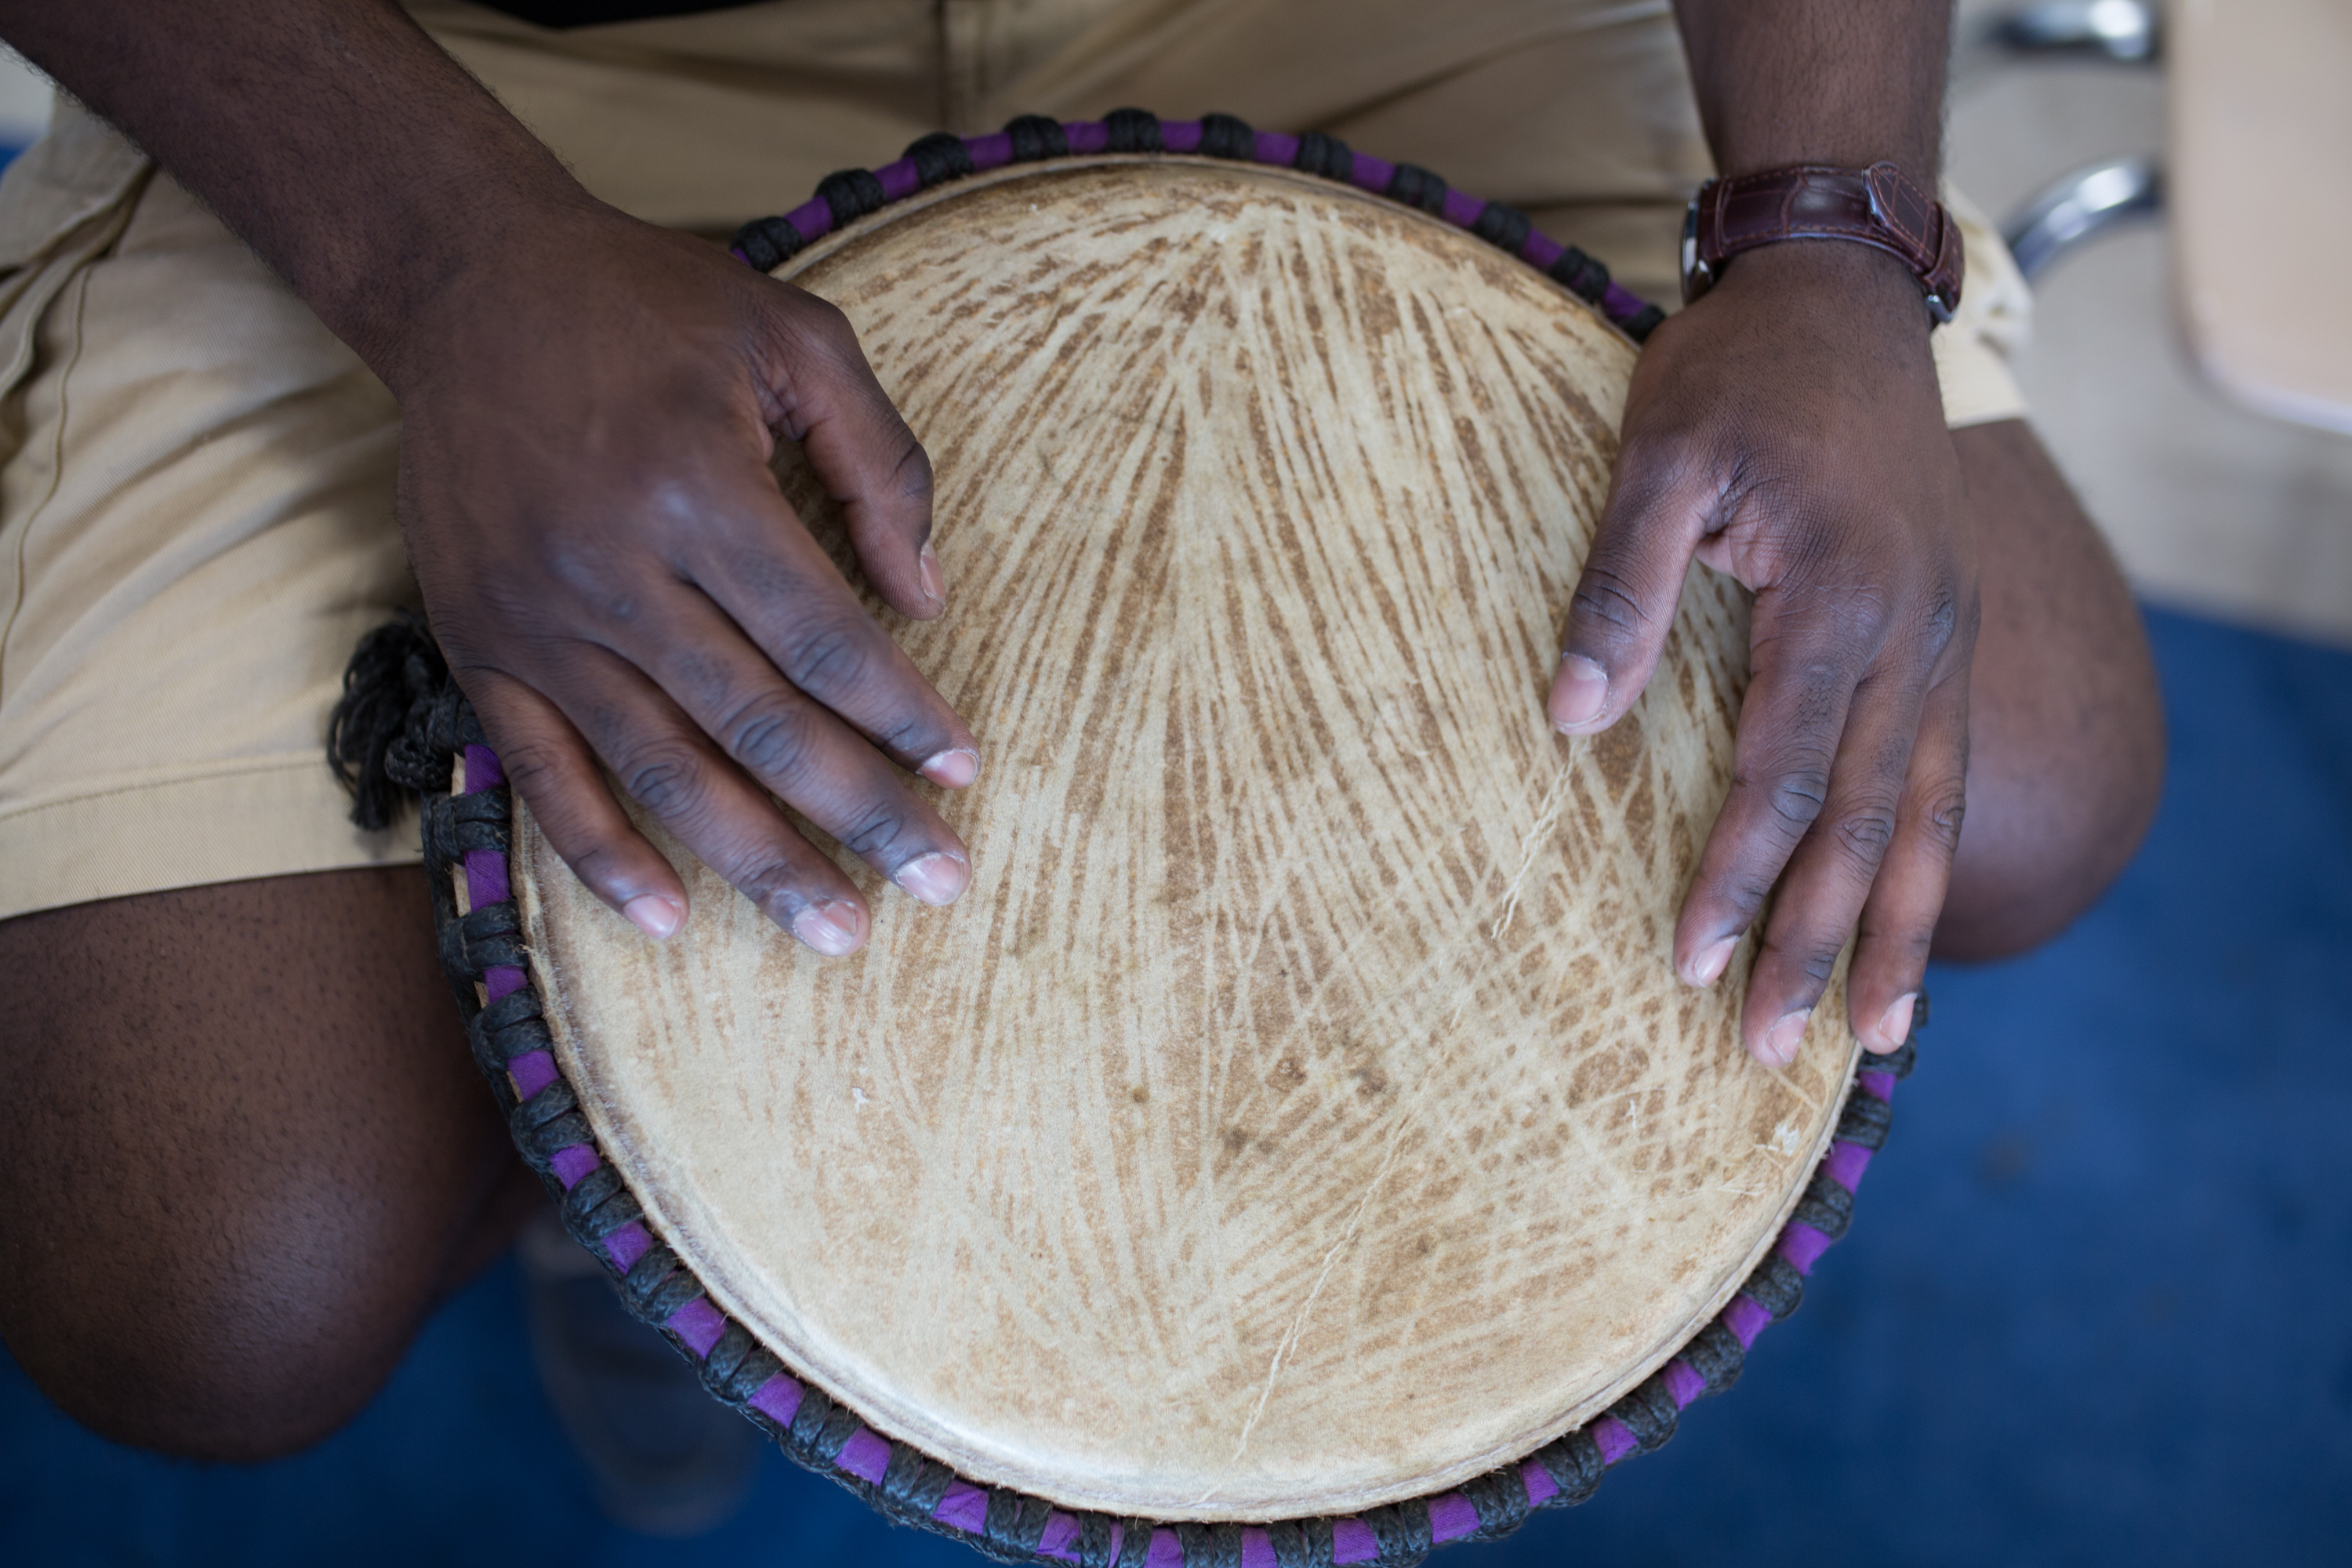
(2096, 1307)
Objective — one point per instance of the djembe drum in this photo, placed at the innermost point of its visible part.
(1295, 1147)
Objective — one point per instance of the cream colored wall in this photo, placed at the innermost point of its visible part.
(2212, 507)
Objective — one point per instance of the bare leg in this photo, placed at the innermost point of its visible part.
(2066, 728)
(246, 1152)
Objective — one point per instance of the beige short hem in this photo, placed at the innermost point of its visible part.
(275, 818)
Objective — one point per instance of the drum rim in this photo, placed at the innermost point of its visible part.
(440, 751)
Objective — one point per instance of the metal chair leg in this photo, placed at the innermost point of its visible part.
(2084, 204)
(2127, 30)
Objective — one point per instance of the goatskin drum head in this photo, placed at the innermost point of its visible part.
(1299, 1112)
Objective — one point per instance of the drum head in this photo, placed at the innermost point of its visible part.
(1299, 1112)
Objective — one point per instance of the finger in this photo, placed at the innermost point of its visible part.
(802, 754)
(1807, 660)
(549, 765)
(1833, 869)
(1659, 506)
(869, 461)
(773, 581)
(1898, 922)
(670, 767)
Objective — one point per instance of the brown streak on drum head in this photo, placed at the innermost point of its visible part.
(1299, 1112)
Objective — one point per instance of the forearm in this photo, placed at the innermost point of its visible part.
(358, 159)
(1841, 82)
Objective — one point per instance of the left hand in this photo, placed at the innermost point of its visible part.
(1787, 429)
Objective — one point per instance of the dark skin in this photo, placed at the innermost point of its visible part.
(588, 408)
(1848, 781)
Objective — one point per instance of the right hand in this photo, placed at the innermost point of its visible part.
(587, 420)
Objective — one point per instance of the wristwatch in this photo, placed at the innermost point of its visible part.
(1878, 206)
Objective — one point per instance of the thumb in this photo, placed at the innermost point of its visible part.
(1624, 601)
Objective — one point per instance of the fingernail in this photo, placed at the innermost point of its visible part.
(935, 583)
(1895, 1024)
(1578, 694)
(830, 929)
(657, 917)
(1708, 966)
(951, 769)
(936, 877)
(1781, 1039)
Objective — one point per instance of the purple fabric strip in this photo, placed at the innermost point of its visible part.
(1746, 1318)
(627, 1245)
(483, 770)
(1541, 1488)
(1374, 174)
(1683, 1383)
(899, 180)
(570, 1164)
(1276, 148)
(486, 878)
(1540, 251)
(1257, 1548)
(812, 219)
(1879, 1085)
(1165, 1550)
(1061, 1537)
(778, 1399)
(864, 1456)
(1181, 136)
(737, 252)
(1802, 1245)
(1622, 302)
(503, 981)
(1086, 135)
(531, 1073)
(989, 151)
(1613, 1437)
(965, 1508)
(1452, 1516)
(699, 1323)
(1846, 1164)
(1462, 210)
(1352, 1541)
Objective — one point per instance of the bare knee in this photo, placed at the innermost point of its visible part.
(2067, 728)
(246, 1151)
(225, 1338)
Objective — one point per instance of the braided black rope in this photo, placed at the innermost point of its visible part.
(768, 242)
(398, 673)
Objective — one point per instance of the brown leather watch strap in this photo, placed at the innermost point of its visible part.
(1877, 206)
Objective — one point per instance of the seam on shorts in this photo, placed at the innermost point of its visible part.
(202, 774)
(80, 287)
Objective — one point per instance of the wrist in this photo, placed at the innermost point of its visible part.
(1854, 292)
(454, 278)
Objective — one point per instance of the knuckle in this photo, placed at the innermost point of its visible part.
(765, 877)
(1812, 957)
(1797, 796)
(872, 831)
(833, 657)
(667, 779)
(1942, 813)
(771, 735)
(910, 476)
(1864, 833)
(1605, 599)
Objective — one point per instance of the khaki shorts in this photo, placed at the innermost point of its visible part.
(196, 478)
